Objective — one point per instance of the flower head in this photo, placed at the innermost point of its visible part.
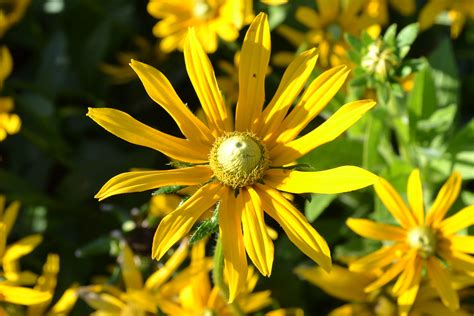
(420, 242)
(210, 19)
(241, 165)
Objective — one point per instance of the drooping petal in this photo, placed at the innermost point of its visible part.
(295, 225)
(377, 259)
(155, 280)
(389, 275)
(409, 277)
(337, 180)
(19, 249)
(394, 203)
(406, 299)
(441, 281)
(204, 81)
(22, 295)
(291, 84)
(254, 59)
(415, 196)
(139, 181)
(257, 242)
(445, 198)
(338, 281)
(162, 92)
(131, 274)
(9, 218)
(66, 302)
(463, 218)
(312, 102)
(230, 228)
(177, 224)
(126, 127)
(338, 123)
(376, 231)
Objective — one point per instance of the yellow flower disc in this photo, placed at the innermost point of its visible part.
(238, 159)
(423, 239)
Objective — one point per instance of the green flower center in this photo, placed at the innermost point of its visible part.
(238, 159)
(335, 31)
(423, 239)
(379, 60)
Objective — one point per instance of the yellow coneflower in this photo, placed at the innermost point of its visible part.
(242, 165)
(421, 242)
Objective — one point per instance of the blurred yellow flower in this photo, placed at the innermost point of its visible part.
(163, 204)
(241, 166)
(211, 19)
(458, 12)
(422, 242)
(378, 9)
(10, 123)
(11, 11)
(327, 26)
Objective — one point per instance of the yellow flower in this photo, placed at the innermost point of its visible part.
(10, 123)
(11, 11)
(210, 19)
(458, 12)
(327, 26)
(378, 9)
(241, 166)
(421, 241)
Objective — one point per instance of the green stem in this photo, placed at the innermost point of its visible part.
(218, 276)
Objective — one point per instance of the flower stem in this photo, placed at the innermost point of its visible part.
(218, 276)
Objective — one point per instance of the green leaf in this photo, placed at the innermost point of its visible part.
(168, 189)
(389, 36)
(407, 35)
(206, 228)
(422, 101)
(440, 121)
(353, 41)
(317, 204)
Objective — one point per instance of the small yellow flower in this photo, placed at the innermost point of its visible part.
(10, 123)
(422, 242)
(242, 165)
(327, 26)
(378, 9)
(458, 12)
(210, 19)
(11, 11)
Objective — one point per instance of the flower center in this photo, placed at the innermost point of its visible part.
(423, 239)
(379, 60)
(335, 31)
(202, 10)
(238, 159)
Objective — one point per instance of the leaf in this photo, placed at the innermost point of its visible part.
(168, 189)
(389, 36)
(440, 121)
(318, 203)
(353, 41)
(206, 228)
(407, 35)
(422, 101)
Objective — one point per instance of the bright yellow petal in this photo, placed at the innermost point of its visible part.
(337, 282)
(19, 249)
(429, 13)
(3, 239)
(105, 303)
(394, 203)
(458, 260)
(463, 243)
(10, 216)
(126, 127)
(131, 274)
(445, 198)
(22, 295)
(159, 277)
(295, 225)
(337, 180)
(139, 181)
(46, 283)
(177, 224)
(441, 281)
(258, 243)
(162, 92)
(415, 196)
(308, 17)
(254, 302)
(312, 102)
(390, 274)
(204, 81)
(377, 259)
(230, 228)
(66, 303)
(337, 124)
(376, 231)
(291, 84)
(254, 59)
(463, 218)
(409, 277)
(406, 300)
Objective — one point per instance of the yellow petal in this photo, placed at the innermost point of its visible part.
(308, 17)
(10, 216)
(429, 13)
(458, 260)
(155, 280)
(463, 243)
(256, 301)
(65, 304)
(295, 225)
(230, 228)
(6, 64)
(204, 81)
(330, 9)
(409, 277)
(312, 102)
(139, 181)
(177, 224)
(394, 203)
(415, 196)
(463, 218)
(441, 281)
(131, 274)
(445, 198)
(406, 300)
(337, 282)
(389, 275)
(46, 283)
(3, 238)
(105, 303)
(337, 180)
(257, 242)
(377, 259)
(291, 84)
(376, 231)
(19, 249)
(126, 127)
(22, 295)
(162, 92)
(338, 123)
(254, 59)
